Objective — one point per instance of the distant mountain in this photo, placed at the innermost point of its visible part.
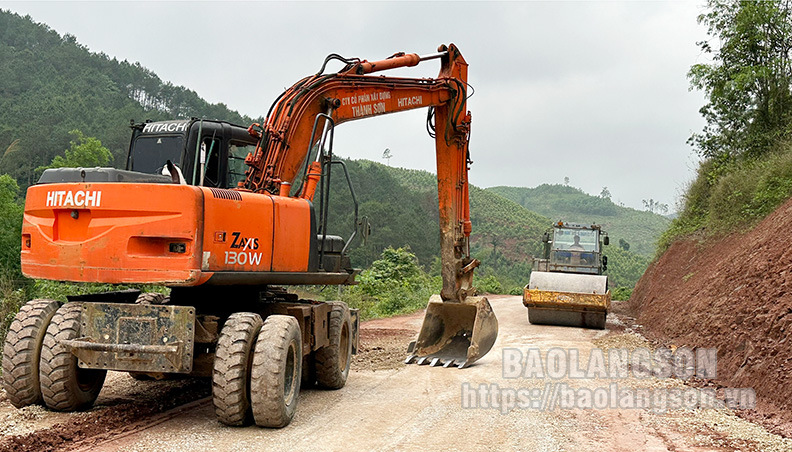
(640, 229)
(50, 84)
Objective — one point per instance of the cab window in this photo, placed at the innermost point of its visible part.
(237, 152)
(149, 153)
(211, 148)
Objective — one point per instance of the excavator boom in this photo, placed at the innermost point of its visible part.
(305, 112)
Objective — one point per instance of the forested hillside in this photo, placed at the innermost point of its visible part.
(401, 205)
(50, 85)
(640, 229)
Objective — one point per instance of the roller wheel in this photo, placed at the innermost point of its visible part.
(595, 320)
(231, 373)
(332, 361)
(22, 351)
(276, 372)
(65, 386)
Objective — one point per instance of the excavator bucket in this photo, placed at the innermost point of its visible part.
(454, 333)
(567, 299)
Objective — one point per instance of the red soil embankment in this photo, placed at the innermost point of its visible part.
(734, 294)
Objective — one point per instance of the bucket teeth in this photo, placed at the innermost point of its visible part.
(449, 363)
(435, 362)
(409, 359)
(422, 361)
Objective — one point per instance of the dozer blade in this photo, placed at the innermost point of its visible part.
(567, 299)
(454, 333)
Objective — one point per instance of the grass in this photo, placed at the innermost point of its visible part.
(731, 194)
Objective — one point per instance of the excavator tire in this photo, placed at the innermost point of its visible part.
(22, 352)
(332, 362)
(595, 320)
(276, 372)
(231, 373)
(65, 386)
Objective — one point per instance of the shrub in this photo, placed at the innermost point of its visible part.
(621, 293)
(729, 194)
(489, 284)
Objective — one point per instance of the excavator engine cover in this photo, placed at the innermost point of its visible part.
(454, 333)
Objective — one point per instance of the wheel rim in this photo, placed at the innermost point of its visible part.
(290, 374)
(343, 346)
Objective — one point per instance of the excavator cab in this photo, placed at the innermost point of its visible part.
(206, 152)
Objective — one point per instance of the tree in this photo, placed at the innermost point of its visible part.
(387, 155)
(84, 152)
(10, 227)
(566, 180)
(624, 244)
(655, 206)
(605, 193)
(747, 83)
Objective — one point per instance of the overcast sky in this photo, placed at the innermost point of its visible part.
(593, 91)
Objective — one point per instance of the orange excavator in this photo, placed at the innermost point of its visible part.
(226, 240)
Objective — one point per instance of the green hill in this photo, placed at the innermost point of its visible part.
(401, 205)
(561, 202)
(50, 84)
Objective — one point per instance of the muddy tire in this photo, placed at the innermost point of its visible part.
(232, 364)
(65, 386)
(151, 298)
(22, 352)
(276, 372)
(332, 362)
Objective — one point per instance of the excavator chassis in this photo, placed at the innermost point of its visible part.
(151, 338)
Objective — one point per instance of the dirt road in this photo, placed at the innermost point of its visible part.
(390, 406)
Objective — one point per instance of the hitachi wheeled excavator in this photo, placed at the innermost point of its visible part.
(226, 216)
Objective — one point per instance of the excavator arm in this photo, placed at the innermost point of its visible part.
(458, 329)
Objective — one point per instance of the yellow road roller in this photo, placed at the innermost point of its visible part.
(567, 285)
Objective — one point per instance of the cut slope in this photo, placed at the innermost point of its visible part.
(734, 294)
